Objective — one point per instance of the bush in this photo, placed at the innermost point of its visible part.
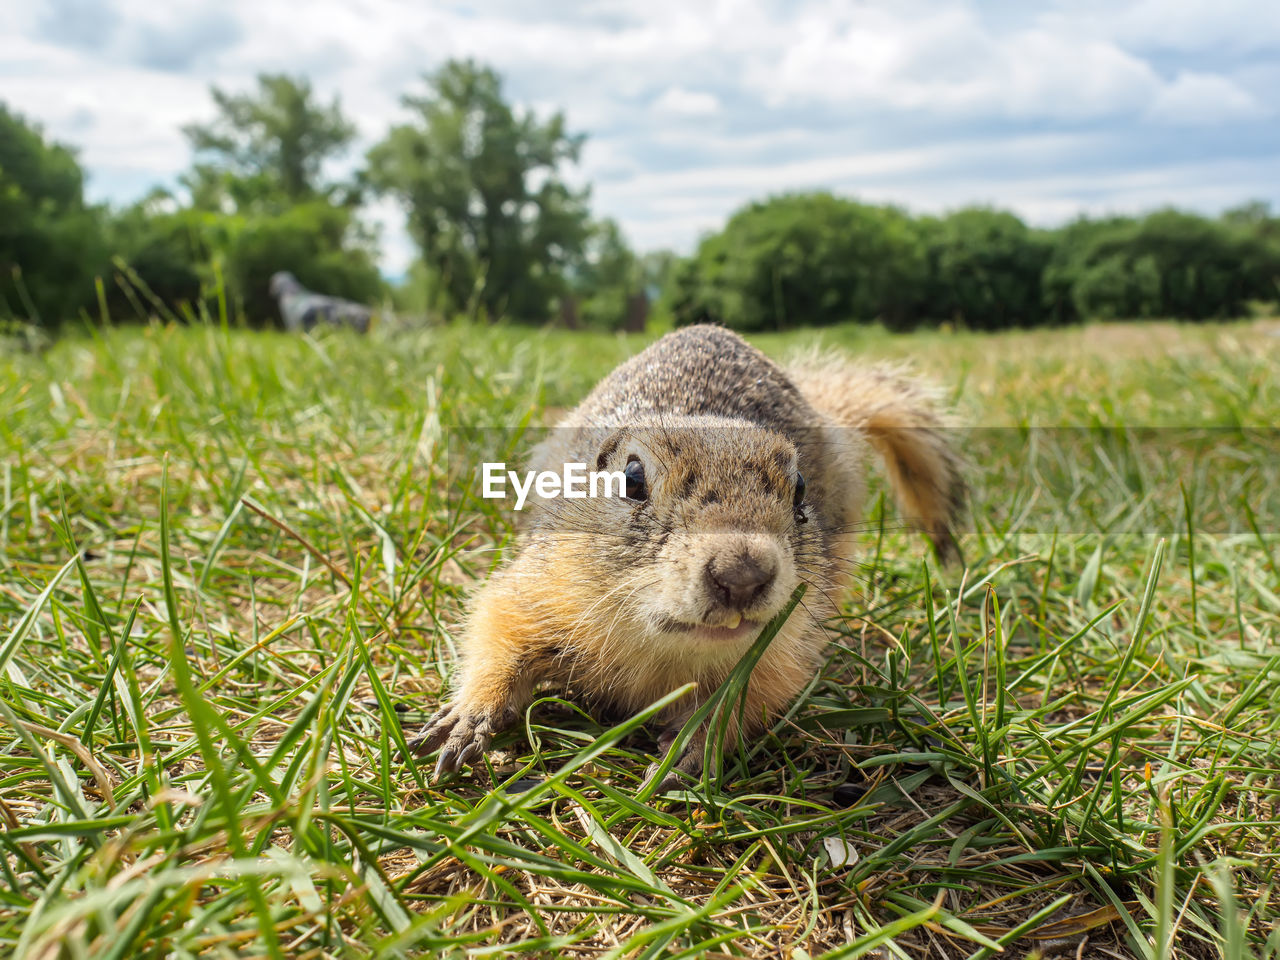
(167, 254)
(1167, 264)
(311, 241)
(817, 259)
(986, 268)
(177, 258)
(50, 241)
(803, 259)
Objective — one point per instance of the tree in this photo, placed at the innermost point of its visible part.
(260, 203)
(50, 239)
(609, 280)
(267, 150)
(986, 269)
(1166, 264)
(312, 241)
(657, 267)
(481, 182)
(165, 247)
(798, 259)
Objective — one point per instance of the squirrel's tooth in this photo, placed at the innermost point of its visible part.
(734, 621)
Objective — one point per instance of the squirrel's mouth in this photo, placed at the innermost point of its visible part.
(746, 630)
(722, 633)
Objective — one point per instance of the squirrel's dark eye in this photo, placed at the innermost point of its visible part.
(636, 489)
(798, 502)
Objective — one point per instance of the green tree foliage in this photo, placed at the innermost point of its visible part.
(657, 267)
(1167, 264)
(608, 280)
(985, 270)
(167, 253)
(179, 256)
(311, 241)
(259, 204)
(818, 259)
(503, 234)
(267, 149)
(50, 240)
(802, 259)
(497, 226)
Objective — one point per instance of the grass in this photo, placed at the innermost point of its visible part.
(232, 564)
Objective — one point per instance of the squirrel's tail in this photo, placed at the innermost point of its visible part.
(902, 420)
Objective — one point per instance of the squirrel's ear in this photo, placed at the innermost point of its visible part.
(608, 448)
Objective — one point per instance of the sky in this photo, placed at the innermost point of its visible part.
(1050, 109)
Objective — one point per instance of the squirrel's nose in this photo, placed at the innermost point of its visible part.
(740, 581)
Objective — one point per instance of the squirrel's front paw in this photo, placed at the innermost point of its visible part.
(685, 769)
(460, 735)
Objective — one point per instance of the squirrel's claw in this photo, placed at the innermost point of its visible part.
(457, 753)
(687, 767)
(437, 730)
(461, 738)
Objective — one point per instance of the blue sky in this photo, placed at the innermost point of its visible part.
(1049, 109)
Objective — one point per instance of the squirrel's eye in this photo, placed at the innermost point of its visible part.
(636, 489)
(798, 502)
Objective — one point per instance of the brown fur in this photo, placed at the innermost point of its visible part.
(900, 416)
(625, 600)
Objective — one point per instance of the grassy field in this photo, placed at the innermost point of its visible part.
(232, 565)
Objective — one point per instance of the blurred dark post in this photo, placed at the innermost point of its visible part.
(637, 312)
(569, 313)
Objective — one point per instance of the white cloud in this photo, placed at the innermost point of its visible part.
(950, 61)
(398, 250)
(1047, 75)
(1041, 197)
(694, 109)
(119, 115)
(1203, 99)
(1229, 27)
(679, 102)
(849, 170)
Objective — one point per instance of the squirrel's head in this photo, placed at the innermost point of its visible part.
(715, 528)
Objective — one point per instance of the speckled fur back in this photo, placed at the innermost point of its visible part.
(699, 370)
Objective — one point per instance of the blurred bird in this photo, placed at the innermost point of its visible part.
(301, 309)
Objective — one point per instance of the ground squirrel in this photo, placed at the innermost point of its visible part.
(742, 481)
